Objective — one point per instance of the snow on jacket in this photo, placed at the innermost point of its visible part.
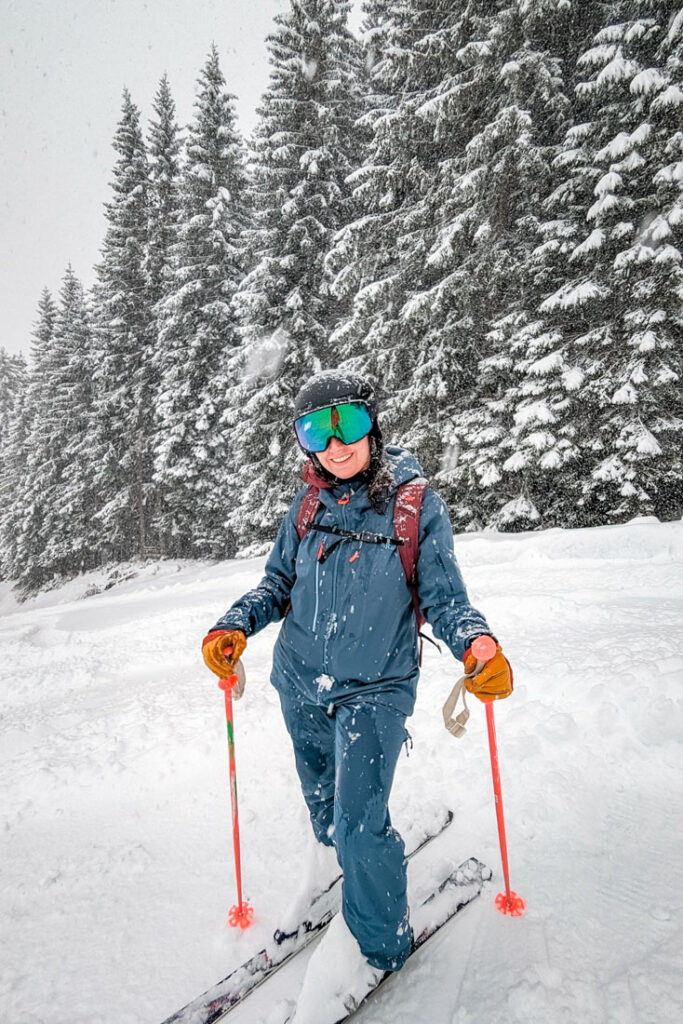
(350, 628)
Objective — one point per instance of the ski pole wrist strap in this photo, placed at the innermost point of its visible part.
(456, 725)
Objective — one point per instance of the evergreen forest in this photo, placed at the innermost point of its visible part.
(479, 203)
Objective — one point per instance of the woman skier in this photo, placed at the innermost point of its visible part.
(346, 661)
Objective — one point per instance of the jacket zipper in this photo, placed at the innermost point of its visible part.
(332, 622)
(317, 591)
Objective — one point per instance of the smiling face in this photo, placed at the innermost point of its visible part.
(345, 460)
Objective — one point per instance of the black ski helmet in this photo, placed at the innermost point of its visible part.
(332, 387)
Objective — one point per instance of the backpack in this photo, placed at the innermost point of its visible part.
(407, 508)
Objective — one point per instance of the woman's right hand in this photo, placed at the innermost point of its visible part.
(215, 643)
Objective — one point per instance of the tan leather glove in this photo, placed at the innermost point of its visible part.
(494, 682)
(213, 646)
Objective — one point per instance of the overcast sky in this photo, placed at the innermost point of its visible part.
(63, 67)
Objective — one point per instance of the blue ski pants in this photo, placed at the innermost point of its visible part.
(345, 758)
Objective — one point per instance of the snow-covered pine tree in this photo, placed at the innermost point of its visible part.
(502, 103)
(123, 350)
(13, 373)
(528, 71)
(13, 384)
(600, 367)
(21, 519)
(197, 329)
(634, 256)
(375, 29)
(370, 268)
(58, 538)
(62, 469)
(163, 150)
(448, 198)
(304, 149)
(667, 109)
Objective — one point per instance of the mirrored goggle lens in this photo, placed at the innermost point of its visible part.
(348, 422)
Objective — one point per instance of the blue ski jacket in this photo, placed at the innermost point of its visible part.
(349, 628)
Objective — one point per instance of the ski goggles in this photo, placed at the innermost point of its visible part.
(347, 422)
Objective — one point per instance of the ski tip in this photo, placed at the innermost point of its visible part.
(473, 870)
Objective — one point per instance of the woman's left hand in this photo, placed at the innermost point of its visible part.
(214, 654)
(494, 682)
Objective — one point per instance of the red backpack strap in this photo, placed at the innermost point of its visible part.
(308, 509)
(407, 508)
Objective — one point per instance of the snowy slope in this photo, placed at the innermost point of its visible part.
(117, 858)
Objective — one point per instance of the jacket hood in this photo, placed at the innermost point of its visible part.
(402, 463)
(310, 476)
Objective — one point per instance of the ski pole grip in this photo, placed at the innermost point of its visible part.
(230, 681)
(235, 681)
(483, 648)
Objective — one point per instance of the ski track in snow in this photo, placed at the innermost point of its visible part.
(116, 861)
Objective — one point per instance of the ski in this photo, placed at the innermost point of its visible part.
(440, 907)
(219, 1000)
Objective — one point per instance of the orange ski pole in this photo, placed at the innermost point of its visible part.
(242, 913)
(508, 902)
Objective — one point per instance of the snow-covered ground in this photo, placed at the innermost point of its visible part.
(117, 857)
